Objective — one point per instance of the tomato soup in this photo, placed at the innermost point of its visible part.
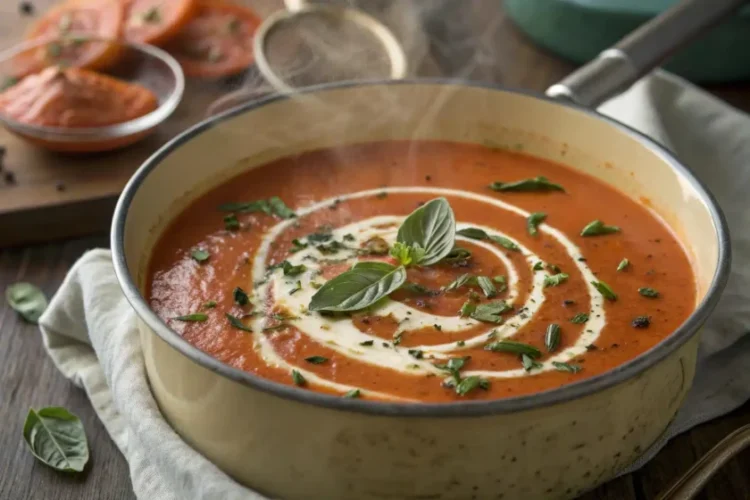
(420, 271)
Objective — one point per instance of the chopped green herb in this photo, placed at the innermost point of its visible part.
(437, 327)
(555, 280)
(353, 394)
(491, 311)
(641, 322)
(240, 297)
(473, 233)
(297, 245)
(321, 237)
(533, 222)
(566, 367)
(460, 343)
(247, 207)
(605, 290)
(416, 353)
(598, 228)
(381, 195)
(298, 378)
(192, 317)
(501, 284)
(297, 288)
(316, 360)
(200, 255)
(462, 280)
(552, 337)
(529, 363)
(279, 208)
(538, 266)
(624, 264)
(513, 347)
(470, 383)
(290, 270)
(210, 304)
(504, 242)
(349, 237)
(554, 268)
(237, 323)
(487, 287)
(151, 15)
(458, 255)
(648, 292)
(397, 338)
(579, 318)
(535, 184)
(468, 308)
(231, 223)
(367, 343)
(416, 288)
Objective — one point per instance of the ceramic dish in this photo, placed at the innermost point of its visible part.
(138, 63)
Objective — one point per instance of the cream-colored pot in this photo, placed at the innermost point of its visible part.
(292, 443)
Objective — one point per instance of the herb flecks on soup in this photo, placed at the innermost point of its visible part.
(422, 271)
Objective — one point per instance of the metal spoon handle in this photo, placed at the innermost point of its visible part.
(617, 68)
(693, 481)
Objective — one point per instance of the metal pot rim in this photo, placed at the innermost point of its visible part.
(558, 395)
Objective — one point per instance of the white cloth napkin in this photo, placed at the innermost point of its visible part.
(89, 329)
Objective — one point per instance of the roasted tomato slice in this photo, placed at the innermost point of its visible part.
(67, 26)
(217, 42)
(157, 21)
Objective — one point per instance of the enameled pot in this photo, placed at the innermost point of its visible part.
(292, 443)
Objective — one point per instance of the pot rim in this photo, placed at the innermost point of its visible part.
(550, 397)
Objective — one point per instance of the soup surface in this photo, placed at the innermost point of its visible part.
(544, 283)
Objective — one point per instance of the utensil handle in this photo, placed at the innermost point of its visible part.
(693, 481)
(617, 68)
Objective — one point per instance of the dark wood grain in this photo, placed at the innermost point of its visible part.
(27, 378)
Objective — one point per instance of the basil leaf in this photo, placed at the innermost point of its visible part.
(605, 290)
(501, 283)
(552, 337)
(407, 254)
(579, 318)
(529, 363)
(458, 254)
(513, 347)
(200, 255)
(297, 245)
(298, 379)
(641, 322)
(231, 223)
(237, 323)
(290, 270)
(504, 242)
(27, 300)
(316, 360)
(353, 394)
(246, 207)
(533, 222)
(538, 266)
(467, 309)
(416, 353)
(459, 282)
(648, 292)
(598, 228)
(192, 317)
(240, 297)
(555, 279)
(566, 367)
(491, 311)
(535, 184)
(279, 208)
(297, 288)
(487, 287)
(432, 227)
(56, 437)
(470, 383)
(472, 232)
(367, 343)
(624, 264)
(361, 286)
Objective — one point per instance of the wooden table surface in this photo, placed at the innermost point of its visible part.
(29, 379)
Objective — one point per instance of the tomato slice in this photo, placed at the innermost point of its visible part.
(75, 97)
(68, 24)
(217, 42)
(157, 21)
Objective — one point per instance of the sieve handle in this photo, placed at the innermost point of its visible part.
(617, 68)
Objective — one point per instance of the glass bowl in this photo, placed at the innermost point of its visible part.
(145, 65)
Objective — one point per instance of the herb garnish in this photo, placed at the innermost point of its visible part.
(454, 365)
(598, 228)
(566, 367)
(605, 290)
(624, 264)
(501, 284)
(533, 222)
(416, 353)
(552, 337)
(406, 254)
(231, 223)
(56, 438)
(297, 245)
(534, 184)
(240, 296)
(200, 254)
(529, 363)
(491, 311)
(479, 234)
(151, 15)
(648, 292)
(487, 287)
(316, 360)
(271, 206)
(472, 233)
(291, 270)
(467, 309)
(397, 338)
(192, 317)
(237, 323)
(367, 343)
(462, 280)
(641, 322)
(538, 266)
(555, 279)
(297, 288)
(298, 378)
(470, 383)
(579, 318)
(363, 285)
(353, 394)
(210, 304)
(278, 207)
(27, 300)
(458, 255)
(431, 227)
(513, 347)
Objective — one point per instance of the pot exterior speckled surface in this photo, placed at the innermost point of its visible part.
(291, 443)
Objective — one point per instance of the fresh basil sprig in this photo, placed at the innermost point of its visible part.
(56, 437)
(363, 285)
(431, 227)
(27, 300)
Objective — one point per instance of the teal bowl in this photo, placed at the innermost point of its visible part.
(579, 29)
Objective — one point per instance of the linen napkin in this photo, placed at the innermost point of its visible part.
(89, 329)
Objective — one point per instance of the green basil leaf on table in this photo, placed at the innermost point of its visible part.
(363, 285)
(56, 437)
(431, 227)
(27, 300)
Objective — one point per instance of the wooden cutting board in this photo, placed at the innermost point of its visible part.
(57, 196)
